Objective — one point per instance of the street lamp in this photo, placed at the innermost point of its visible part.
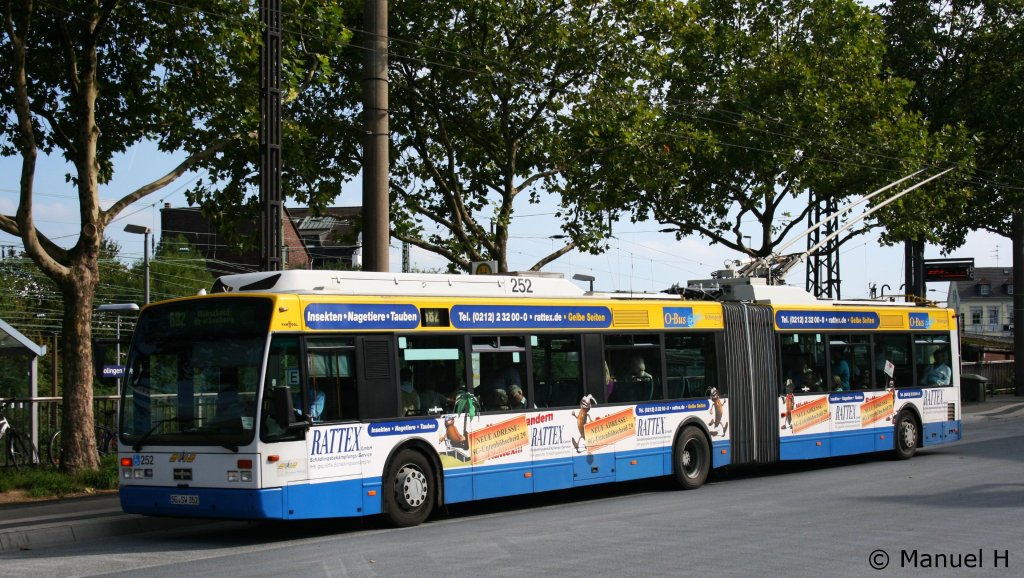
(145, 231)
(118, 308)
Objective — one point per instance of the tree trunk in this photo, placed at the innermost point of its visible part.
(1018, 300)
(79, 442)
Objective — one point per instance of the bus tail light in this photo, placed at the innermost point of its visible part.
(126, 462)
(243, 473)
(273, 459)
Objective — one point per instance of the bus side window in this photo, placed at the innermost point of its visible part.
(895, 349)
(330, 390)
(557, 380)
(438, 366)
(690, 364)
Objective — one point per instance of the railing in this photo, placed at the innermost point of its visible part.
(48, 416)
(998, 373)
(993, 329)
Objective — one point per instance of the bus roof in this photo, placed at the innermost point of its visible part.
(413, 284)
(521, 284)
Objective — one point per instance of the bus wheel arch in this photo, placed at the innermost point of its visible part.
(906, 434)
(410, 487)
(691, 456)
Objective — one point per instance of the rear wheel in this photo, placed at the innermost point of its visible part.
(55, 451)
(691, 457)
(409, 489)
(906, 436)
(106, 442)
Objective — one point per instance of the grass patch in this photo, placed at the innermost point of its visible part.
(44, 481)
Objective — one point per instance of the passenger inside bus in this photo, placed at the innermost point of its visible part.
(863, 378)
(495, 400)
(939, 374)
(410, 399)
(314, 406)
(805, 379)
(516, 398)
(637, 385)
(841, 372)
(504, 377)
(609, 381)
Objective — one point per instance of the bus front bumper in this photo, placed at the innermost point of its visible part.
(229, 504)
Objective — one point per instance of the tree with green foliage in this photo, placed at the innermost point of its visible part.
(964, 58)
(493, 103)
(91, 78)
(763, 105)
(31, 303)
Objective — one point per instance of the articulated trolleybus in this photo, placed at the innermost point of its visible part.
(311, 394)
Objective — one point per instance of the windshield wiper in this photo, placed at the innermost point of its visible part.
(159, 425)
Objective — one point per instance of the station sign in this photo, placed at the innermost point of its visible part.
(949, 269)
(113, 371)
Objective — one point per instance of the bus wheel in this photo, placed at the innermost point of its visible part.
(906, 436)
(409, 491)
(691, 457)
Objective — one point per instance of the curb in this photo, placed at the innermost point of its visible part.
(77, 531)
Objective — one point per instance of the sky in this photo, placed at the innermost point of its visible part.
(640, 259)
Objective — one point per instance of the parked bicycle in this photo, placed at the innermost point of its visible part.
(106, 441)
(17, 446)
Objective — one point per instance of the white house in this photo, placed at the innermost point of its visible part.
(985, 305)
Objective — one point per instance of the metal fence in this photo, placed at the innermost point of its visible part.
(998, 373)
(48, 415)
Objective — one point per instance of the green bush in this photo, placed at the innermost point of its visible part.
(43, 481)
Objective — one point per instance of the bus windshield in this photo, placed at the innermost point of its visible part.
(194, 371)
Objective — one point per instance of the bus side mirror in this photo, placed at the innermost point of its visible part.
(283, 410)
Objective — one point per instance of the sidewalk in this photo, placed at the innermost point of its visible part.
(994, 407)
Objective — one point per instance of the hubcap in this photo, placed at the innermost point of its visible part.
(909, 434)
(411, 487)
(690, 460)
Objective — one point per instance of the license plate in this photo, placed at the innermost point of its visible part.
(184, 500)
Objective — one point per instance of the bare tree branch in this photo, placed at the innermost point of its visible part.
(539, 264)
(163, 181)
(423, 244)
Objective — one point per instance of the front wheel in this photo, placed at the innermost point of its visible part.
(409, 489)
(691, 457)
(906, 436)
(19, 450)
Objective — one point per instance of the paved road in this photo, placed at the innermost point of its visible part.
(827, 517)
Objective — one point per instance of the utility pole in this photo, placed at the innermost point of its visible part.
(913, 262)
(822, 278)
(270, 136)
(1017, 232)
(376, 216)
